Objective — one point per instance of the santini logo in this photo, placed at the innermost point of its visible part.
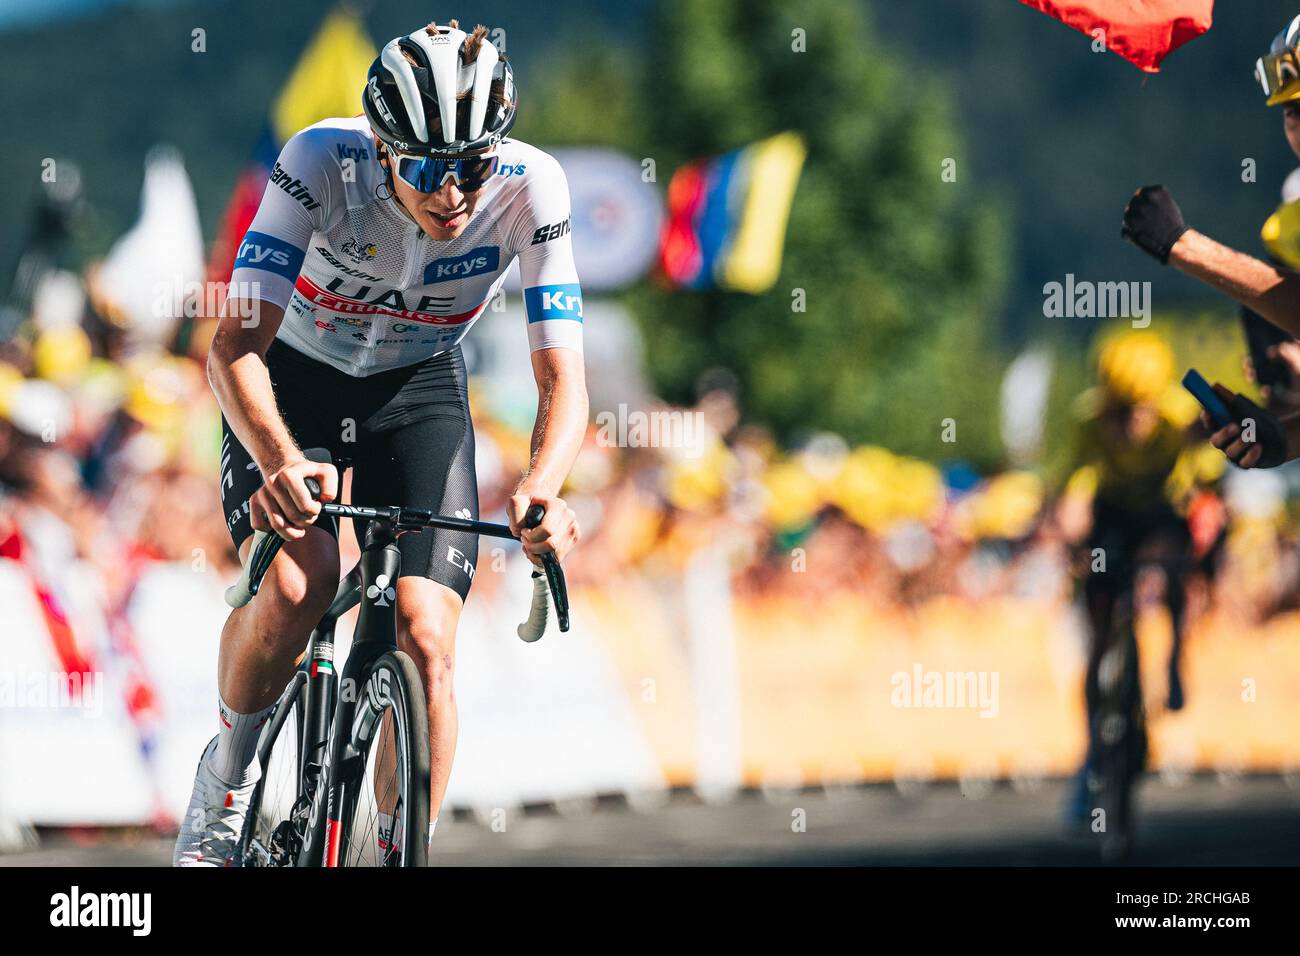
(103, 909)
(293, 186)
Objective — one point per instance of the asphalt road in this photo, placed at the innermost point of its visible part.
(1203, 821)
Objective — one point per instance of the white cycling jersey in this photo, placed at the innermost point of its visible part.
(365, 290)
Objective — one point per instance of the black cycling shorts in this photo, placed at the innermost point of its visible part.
(1121, 533)
(407, 434)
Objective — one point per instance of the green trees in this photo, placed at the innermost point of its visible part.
(900, 270)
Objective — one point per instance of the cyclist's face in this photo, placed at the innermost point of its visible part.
(442, 214)
(1291, 123)
(1135, 422)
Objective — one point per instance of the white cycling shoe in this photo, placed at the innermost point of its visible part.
(214, 819)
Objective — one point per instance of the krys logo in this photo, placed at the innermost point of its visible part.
(261, 251)
(546, 302)
(473, 263)
(354, 153)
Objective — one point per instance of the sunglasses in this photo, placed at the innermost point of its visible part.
(1277, 70)
(427, 174)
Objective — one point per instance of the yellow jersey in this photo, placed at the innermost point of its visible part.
(1140, 475)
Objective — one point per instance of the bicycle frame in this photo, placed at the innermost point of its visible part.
(326, 765)
(375, 634)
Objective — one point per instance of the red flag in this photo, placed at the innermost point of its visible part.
(1143, 32)
(235, 221)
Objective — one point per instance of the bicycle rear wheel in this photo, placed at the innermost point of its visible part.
(277, 811)
(385, 823)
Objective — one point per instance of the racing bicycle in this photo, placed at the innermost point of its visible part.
(345, 758)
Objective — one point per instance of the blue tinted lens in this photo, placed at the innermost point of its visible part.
(428, 173)
(419, 172)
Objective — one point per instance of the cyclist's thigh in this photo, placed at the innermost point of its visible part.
(311, 409)
(1112, 545)
(423, 457)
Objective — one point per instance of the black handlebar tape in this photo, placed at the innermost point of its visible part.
(321, 456)
(534, 515)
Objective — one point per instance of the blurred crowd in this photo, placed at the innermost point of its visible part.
(108, 455)
(110, 437)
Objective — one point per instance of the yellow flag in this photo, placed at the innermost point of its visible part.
(328, 78)
(774, 164)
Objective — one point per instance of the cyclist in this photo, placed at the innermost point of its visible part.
(379, 241)
(1153, 221)
(1134, 459)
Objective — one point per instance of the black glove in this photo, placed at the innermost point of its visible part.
(1153, 222)
(1270, 435)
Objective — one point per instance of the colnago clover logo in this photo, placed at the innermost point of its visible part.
(380, 592)
(547, 302)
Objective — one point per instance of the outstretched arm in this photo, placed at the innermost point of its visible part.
(1271, 291)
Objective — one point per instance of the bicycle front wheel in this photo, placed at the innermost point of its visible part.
(277, 813)
(389, 806)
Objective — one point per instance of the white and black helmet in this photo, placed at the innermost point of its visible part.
(449, 102)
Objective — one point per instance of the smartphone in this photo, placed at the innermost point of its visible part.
(1208, 397)
(1261, 335)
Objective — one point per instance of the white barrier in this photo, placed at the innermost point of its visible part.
(547, 721)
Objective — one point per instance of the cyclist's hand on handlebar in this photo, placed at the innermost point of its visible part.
(557, 533)
(285, 504)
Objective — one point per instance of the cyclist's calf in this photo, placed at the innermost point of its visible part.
(262, 641)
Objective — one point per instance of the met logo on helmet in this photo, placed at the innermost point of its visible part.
(377, 98)
(475, 262)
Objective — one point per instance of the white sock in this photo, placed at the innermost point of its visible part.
(432, 824)
(232, 758)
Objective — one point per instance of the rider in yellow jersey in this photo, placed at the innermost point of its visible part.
(1136, 460)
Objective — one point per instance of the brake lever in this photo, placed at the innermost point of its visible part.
(559, 590)
(551, 568)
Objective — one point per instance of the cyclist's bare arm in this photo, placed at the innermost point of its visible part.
(239, 377)
(557, 438)
(1271, 291)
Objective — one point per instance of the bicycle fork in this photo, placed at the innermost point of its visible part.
(374, 635)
